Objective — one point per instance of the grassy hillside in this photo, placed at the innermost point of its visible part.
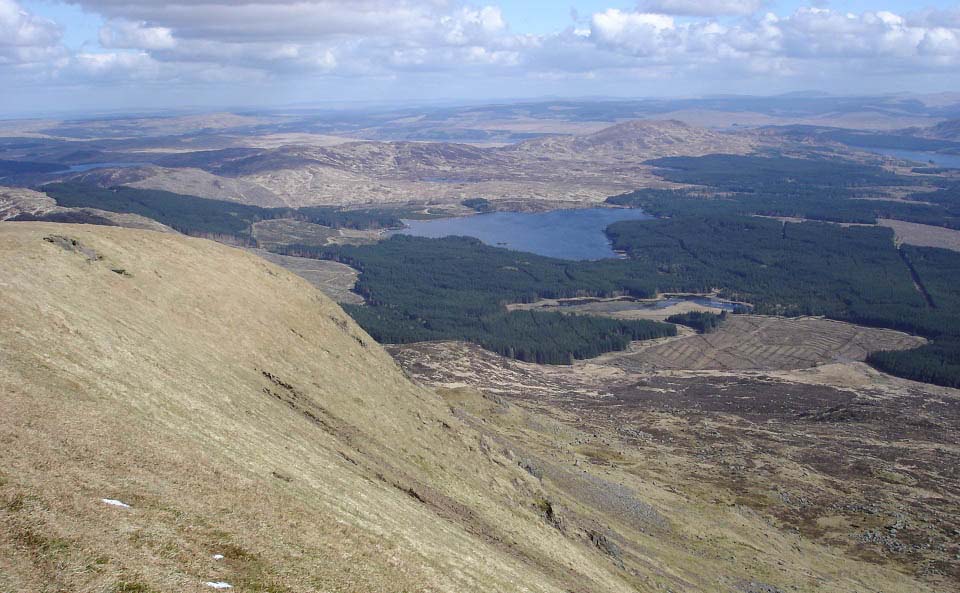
(238, 412)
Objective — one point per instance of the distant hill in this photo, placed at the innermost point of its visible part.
(637, 140)
(383, 172)
(947, 130)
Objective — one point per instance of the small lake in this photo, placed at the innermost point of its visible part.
(698, 300)
(631, 304)
(564, 234)
(949, 161)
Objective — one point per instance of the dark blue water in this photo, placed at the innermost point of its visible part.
(948, 161)
(564, 234)
(630, 304)
(702, 301)
(92, 166)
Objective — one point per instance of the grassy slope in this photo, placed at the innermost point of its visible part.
(149, 388)
(336, 474)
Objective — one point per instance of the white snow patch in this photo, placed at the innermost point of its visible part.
(218, 556)
(115, 503)
(218, 585)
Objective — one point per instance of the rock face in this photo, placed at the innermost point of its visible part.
(235, 410)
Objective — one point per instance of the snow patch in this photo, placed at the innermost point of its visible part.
(218, 556)
(115, 503)
(218, 585)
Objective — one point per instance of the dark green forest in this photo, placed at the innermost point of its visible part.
(787, 187)
(478, 204)
(457, 288)
(702, 321)
(67, 217)
(210, 218)
(811, 203)
(781, 268)
(24, 167)
(739, 173)
(938, 271)
(726, 237)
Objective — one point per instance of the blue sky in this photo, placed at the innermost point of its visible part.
(528, 16)
(114, 54)
(545, 16)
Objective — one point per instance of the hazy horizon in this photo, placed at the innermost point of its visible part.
(386, 105)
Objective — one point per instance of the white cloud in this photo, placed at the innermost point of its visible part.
(22, 29)
(25, 39)
(126, 34)
(290, 41)
(113, 66)
(360, 37)
(703, 7)
(277, 20)
(638, 33)
(812, 38)
(472, 25)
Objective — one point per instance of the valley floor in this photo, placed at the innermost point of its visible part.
(843, 459)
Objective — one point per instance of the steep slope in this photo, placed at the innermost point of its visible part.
(238, 412)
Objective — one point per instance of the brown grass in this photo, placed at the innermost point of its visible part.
(923, 235)
(750, 342)
(153, 389)
(239, 412)
(767, 478)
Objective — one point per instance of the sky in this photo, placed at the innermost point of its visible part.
(143, 55)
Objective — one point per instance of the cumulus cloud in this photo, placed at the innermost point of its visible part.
(126, 34)
(360, 37)
(275, 20)
(375, 37)
(26, 39)
(810, 37)
(685, 40)
(703, 7)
